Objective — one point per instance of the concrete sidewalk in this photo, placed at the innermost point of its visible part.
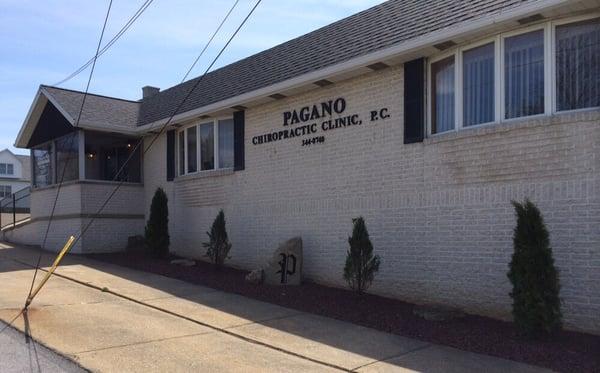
(114, 319)
(19, 356)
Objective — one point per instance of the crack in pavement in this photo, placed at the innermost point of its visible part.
(428, 345)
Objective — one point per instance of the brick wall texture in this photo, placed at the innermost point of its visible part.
(438, 212)
(122, 217)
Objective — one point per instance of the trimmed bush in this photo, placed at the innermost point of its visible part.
(157, 227)
(361, 265)
(218, 245)
(534, 278)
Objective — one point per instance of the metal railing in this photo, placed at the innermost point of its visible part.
(15, 208)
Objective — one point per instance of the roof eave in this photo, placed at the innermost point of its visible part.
(31, 119)
(396, 51)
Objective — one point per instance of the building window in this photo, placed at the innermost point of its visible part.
(478, 85)
(524, 74)
(443, 103)
(542, 69)
(42, 165)
(67, 157)
(105, 157)
(192, 149)
(181, 146)
(5, 191)
(208, 144)
(7, 169)
(578, 65)
(226, 143)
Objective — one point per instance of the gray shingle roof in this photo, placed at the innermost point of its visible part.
(376, 28)
(379, 27)
(98, 110)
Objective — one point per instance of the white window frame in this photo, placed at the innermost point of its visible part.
(215, 122)
(553, 25)
(550, 104)
(6, 166)
(430, 91)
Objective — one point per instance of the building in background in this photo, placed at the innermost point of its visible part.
(15, 172)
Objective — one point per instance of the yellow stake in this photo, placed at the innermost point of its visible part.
(62, 253)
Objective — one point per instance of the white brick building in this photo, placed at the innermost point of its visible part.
(451, 112)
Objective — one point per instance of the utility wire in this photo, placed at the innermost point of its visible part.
(210, 41)
(87, 87)
(125, 27)
(164, 126)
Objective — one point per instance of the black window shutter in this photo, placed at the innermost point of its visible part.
(170, 155)
(238, 140)
(414, 101)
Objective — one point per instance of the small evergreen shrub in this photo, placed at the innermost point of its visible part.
(361, 265)
(157, 227)
(534, 278)
(218, 246)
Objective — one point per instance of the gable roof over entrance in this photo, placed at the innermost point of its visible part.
(99, 113)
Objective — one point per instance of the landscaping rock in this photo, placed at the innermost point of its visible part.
(256, 277)
(432, 312)
(184, 262)
(285, 267)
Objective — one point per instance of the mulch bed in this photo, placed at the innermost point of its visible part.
(565, 352)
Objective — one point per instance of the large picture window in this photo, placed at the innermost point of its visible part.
(208, 146)
(578, 65)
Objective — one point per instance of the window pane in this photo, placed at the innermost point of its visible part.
(207, 146)
(226, 143)
(442, 73)
(578, 65)
(42, 165)
(10, 169)
(105, 157)
(524, 74)
(3, 168)
(478, 85)
(192, 149)
(67, 157)
(181, 153)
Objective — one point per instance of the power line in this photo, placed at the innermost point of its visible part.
(209, 41)
(164, 126)
(100, 52)
(87, 87)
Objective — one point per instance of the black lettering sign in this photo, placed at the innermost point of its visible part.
(284, 266)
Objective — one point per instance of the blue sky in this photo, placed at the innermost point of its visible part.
(41, 42)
